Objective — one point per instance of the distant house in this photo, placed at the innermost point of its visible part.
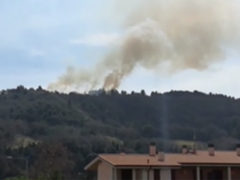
(194, 165)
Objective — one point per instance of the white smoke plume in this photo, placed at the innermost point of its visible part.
(182, 34)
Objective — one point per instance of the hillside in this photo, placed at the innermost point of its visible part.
(77, 126)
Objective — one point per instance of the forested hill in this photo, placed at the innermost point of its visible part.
(112, 122)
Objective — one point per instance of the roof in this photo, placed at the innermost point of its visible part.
(171, 160)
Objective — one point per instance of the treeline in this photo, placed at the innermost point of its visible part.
(49, 135)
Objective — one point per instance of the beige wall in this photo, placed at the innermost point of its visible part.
(143, 174)
(105, 171)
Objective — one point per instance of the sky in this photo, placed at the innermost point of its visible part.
(40, 39)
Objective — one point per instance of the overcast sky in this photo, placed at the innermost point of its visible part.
(39, 39)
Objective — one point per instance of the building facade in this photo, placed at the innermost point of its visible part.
(194, 165)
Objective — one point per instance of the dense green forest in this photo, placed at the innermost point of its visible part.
(48, 135)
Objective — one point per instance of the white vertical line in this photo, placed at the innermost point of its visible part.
(144, 174)
(198, 173)
(134, 174)
(229, 173)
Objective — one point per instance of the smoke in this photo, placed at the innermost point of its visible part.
(176, 35)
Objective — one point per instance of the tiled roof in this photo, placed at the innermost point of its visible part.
(171, 160)
(137, 160)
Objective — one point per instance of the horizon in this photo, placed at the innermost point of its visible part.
(40, 40)
(96, 91)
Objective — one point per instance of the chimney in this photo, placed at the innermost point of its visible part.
(238, 149)
(161, 156)
(211, 149)
(184, 149)
(152, 149)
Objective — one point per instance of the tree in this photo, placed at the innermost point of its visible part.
(53, 162)
(143, 93)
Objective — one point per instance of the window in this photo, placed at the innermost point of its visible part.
(215, 175)
(156, 174)
(139, 174)
(126, 174)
